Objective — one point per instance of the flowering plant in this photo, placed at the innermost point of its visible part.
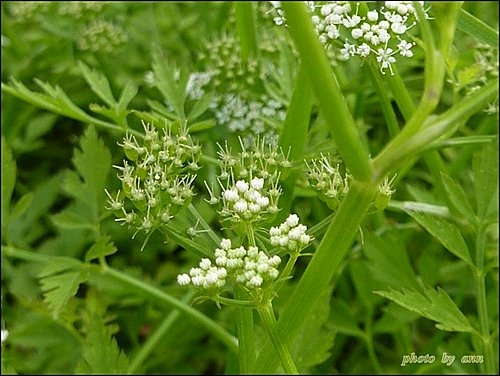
(237, 187)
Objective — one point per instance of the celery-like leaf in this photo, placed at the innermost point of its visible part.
(434, 305)
(100, 352)
(60, 280)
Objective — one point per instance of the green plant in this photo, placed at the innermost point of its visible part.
(265, 188)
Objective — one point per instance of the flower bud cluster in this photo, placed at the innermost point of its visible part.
(290, 235)
(157, 182)
(380, 32)
(239, 100)
(327, 180)
(249, 116)
(250, 268)
(250, 181)
(101, 35)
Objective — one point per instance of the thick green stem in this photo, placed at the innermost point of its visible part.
(246, 334)
(266, 314)
(402, 148)
(293, 138)
(323, 265)
(328, 93)
(247, 32)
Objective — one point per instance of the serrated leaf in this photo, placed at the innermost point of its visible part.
(200, 106)
(485, 167)
(459, 198)
(21, 206)
(70, 220)
(8, 180)
(100, 352)
(102, 247)
(436, 306)
(60, 280)
(98, 83)
(128, 93)
(171, 82)
(445, 232)
(92, 161)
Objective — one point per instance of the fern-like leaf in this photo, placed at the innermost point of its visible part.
(60, 280)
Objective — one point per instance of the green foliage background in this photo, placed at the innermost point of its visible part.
(57, 159)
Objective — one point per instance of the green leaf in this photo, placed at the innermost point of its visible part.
(70, 220)
(388, 261)
(477, 28)
(171, 82)
(200, 106)
(21, 206)
(445, 232)
(93, 162)
(100, 351)
(485, 167)
(436, 306)
(60, 280)
(8, 180)
(128, 93)
(103, 247)
(458, 198)
(98, 83)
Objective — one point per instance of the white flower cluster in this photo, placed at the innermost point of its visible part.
(159, 184)
(248, 267)
(248, 200)
(327, 180)
(290, 234)
(101, 35)
(379, 32)
(249, 181)
(249, 116)
(206, 276)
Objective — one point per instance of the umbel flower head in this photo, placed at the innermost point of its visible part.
(249, 268)
(157, 178)
(249, 181)
(327, 180)
(379, 32)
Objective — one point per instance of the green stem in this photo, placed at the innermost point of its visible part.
(403, 147)
(204, 224)
(268, 320)
(230, 341)
(246, 334)
(482, 307)
(323, 265)
(149, 346)
(294, 136)
(328, 93)
(385, 103)
(213, 327)
(245, 25)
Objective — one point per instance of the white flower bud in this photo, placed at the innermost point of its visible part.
(205, 264)
(372, 15)
(183, 279)
(257, 183)
(242, 186)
